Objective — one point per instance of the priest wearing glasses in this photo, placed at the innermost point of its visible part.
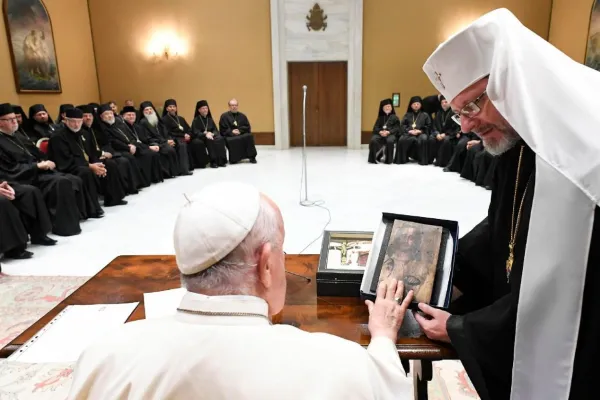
(525, 320)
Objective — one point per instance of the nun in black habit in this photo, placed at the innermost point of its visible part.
(414, 136)
(179, 131)
(385, 134)
(205, 129)
(42, 125)
(154, 134)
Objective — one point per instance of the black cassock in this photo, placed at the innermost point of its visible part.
(130, 173)
(484, 166)
(157, 136)
(482, 328)
(415, 147)
(380, 146)
(442, 149)
(113, 185)
(240, 146)
(26, 214)
(120, 137)
(457, 161)
(133, 132)
(38, 131)
(66, 149)
(64, 194)
(13, 234)
(468, 168)
(215, 146)
(177, 127)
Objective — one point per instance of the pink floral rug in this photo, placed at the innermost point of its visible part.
(24, 299)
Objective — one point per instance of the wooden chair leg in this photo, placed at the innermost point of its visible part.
(422, 373)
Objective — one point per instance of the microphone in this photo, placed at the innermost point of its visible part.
(304, 88)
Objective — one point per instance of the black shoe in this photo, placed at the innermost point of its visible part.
(118, 203)
(213, 165)
(18, 254)
(44, 241)
(223, 165)
(98, 215)
(446, 169)
(253, 161)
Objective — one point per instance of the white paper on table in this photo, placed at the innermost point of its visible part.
(162, 304)
(75, 328)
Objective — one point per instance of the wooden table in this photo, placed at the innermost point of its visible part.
(127, 278)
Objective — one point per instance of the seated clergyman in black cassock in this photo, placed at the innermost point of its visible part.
(62, 193)
(432, 104)
(457, 161)
(235, 126)
(113, 129)
(67, 149)
(443, 136)
(92, 129)
(157, 135)
(479, 164)
(22, 213)
(137, 136)
(61, 114)
(385, 134)
(22, 132)
(179, 131)
(414, 135)
(204, 128)
(42, 125)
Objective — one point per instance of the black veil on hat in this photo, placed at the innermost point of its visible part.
(86, 109)
(19, 110)
(414, 99)
(168, 102)
(36, 108)
(383, 103)
(103, 108)
(143, 105)
(5, 109)
(199, 104)
(63, 108)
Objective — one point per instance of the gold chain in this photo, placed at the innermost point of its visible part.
(514, 228)
(225, 314)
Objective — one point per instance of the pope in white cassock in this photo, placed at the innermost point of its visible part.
(527, 325)
(221, 343)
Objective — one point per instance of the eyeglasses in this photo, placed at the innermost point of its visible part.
(470, 109)
(9, 119)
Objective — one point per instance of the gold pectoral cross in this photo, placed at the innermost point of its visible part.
(414, 125)
(509, 261)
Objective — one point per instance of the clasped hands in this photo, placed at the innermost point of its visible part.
(46, 165)
(386, 314)
(98, 169)
(235, 131)
(384, 133)
(7, 191)
(415, 132)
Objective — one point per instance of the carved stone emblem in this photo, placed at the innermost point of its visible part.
(316, 19)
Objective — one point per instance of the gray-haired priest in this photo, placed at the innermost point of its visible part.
(221, 343)
(527, 325)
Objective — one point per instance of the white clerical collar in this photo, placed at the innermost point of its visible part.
(231, 306)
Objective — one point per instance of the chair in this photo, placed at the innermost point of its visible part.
(42, 144)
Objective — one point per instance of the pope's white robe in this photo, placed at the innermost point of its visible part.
(190, 356)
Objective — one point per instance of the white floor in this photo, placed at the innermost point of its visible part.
(354, 191)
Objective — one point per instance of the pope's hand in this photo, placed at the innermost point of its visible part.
(434, 328)
(386, 314)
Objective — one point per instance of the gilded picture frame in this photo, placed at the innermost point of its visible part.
(592, 53)
(32, 46)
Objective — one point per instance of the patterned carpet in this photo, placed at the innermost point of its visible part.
(24, 299)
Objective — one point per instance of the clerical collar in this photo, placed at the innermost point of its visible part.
(249, 309)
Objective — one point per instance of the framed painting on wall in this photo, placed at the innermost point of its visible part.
(592, 55)
(31, 44)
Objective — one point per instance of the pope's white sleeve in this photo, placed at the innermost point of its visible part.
(386, 372)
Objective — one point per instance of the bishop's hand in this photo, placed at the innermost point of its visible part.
(434, 326)
(387, 313)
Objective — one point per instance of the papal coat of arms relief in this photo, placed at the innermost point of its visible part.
(316, 19)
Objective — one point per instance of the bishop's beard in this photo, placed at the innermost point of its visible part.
(152, 119)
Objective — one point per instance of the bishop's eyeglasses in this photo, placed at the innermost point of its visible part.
(470, 110)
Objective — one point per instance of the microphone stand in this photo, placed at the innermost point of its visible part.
(304, 202)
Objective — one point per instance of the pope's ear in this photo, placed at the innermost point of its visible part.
(263, 267)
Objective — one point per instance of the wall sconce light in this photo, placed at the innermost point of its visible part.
(165, 45)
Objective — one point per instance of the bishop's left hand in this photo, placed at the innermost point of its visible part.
(435, 327)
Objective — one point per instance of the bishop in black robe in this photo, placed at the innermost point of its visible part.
(457, 161)
(147, 156)
(236, 128)
(178, 130)
(62, 194)
(99, 144)
(205, 129)
(42, 125)
(483, 321)
(414, 136)
(113, 130)
(66, 149)
(154, 134)
(23, 213)
(443, 138)
(385, 134)
(61, 114)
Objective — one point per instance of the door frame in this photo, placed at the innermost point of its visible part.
(354, 74)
